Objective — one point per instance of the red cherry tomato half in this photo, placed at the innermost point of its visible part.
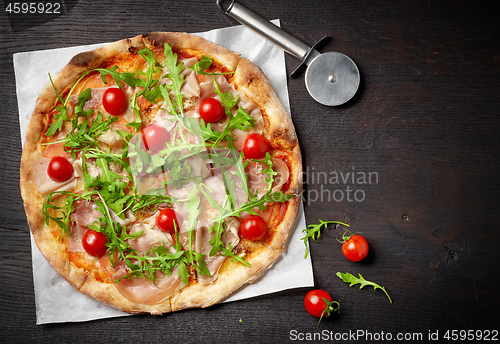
(314, 302)
(355, 248)
(256, 146)
(60, 169)
(94, 243)
(154, 137)
(253, 228)
(211, 110)
(114, 101)
(167, 221)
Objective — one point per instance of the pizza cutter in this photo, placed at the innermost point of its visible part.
(331, 78)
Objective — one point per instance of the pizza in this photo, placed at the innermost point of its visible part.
(160, 173)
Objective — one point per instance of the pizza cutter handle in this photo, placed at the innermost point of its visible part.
(267, 29)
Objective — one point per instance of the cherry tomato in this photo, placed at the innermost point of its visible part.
(314, 303)
(355, 248)
(256, 146)
(167, 220)
(211, 110)
(94, 243)
(154, 137)
(253, 228)
(60, 169)
(114, 101)
(317, 307)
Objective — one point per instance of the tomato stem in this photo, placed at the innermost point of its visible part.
(346, 237)
(331, 306)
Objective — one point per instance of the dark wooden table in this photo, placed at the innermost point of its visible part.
(425, 124)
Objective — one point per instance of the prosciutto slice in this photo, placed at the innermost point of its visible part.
(202, 245)
(143, 290)
(44, 183)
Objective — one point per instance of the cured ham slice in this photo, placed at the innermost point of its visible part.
(85, 213)
(44, 183)
(202, 245)
(151, 236)
(75, 239)
(144, 291)
(257, 177)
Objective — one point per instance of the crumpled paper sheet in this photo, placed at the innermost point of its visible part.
(57, 301)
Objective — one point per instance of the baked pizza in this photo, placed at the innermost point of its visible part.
(160, 173)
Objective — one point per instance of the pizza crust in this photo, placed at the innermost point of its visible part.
(232, 276)
(195, 45)
(109, 295)
(279, 129)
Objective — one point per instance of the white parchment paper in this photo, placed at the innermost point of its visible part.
(56, 300)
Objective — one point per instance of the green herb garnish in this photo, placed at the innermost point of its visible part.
(353, 280)
(313, 231)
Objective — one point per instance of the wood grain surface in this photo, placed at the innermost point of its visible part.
(425, 126)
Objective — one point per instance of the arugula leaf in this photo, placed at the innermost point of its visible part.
(218, 245)
(152, 201)
(83, 134)
(254, 202)
(117, 159)
(192, 205)
(63, 110)
(131, 79)
(174, 74)
(190, 257)
(61, 116)
(49, 208)
(156, 259)
(83, 97)
(269, 170)
(227, 98)
(149, 92)
(239, 172)
(202, 65)
(353, 280)
(59, 120)
(229, 186)
(314, 230)
(216, 240)
(136, 124)
(241, 120)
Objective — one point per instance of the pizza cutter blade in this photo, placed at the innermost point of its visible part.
(332, 78)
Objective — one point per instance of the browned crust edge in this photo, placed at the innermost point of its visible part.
(195, 44)
(279, 129)
(232, 276)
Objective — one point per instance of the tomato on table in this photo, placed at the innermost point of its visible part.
(94, 243)
(253, 227)
(319, 303)
(60, 169)
(167, 220)
(211, 110)
(355, 247)
(154, 137)
(114, 101)
(256, 146)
